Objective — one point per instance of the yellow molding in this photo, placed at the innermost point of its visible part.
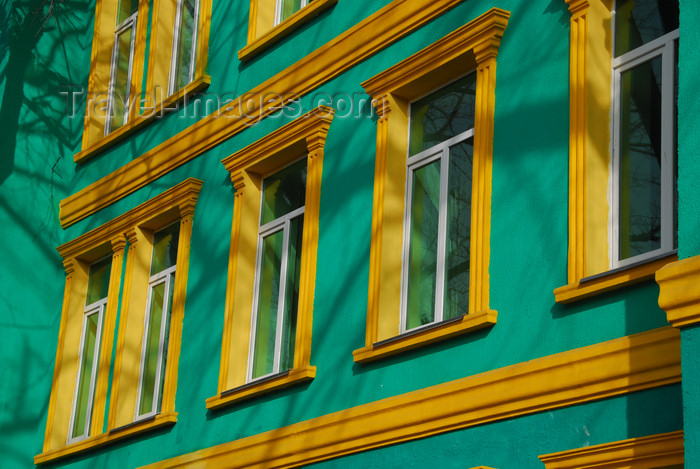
(177, 202)
(468, 323)
(282, 30)
(612, 368)
(472, 46)
(609, 282)
(173, 197)
(139, 56)
(295, 376)
(663, 450)
(160, 108)
(396, 20)
(303, 137)
(161, 420)
(679, 295)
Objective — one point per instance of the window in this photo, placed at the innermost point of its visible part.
(183, 64)
(272, 20)
(277, 272)
(125, 89)
(122, 63)
(622, 169)
(143, 254)
(438, 215)
(266, 341)
(286, 8)
(432, 191)
(644, 150)
(157, 321)
(93, 317)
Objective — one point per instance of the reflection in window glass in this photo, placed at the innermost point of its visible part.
(640, 21)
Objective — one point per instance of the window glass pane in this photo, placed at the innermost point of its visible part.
(458, 230)
(284, 191)
(268, 298)
(640, 160)
(81, 425)
(121, 79)
(291, 300)
(640, 21)
(126, 9)
(289, 7)
(422, 261)
(442, 114)
(98, 281)
(165, 248)
(150, 360)
(185, 46)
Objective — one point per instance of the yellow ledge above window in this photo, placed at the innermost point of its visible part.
(610, 281)
(257, 388)
(160, 420)
(428, 335)
(301, 17)
(150, 115)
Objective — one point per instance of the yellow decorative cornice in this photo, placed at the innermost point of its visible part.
(679, 291)
(664, 450)
(612, 368)
(184, 194)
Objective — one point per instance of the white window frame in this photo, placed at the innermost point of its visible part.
(98, 307)
(176, 40)
(162, 277)
(282, 223)
(441, 151)
(664, 47)
(130, 22)
(278, 9)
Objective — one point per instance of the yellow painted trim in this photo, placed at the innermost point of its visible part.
(589, 137)
(482, 467)
(295, 376)
(474, 45)
(282, 30)
(141, 120)
(104, 439)
(679, 295)
(662, 450)
(157, 69)
(396, 20)
(469, 323)
(612, 368)
(303, 137)
(177, 202)
(613, 281)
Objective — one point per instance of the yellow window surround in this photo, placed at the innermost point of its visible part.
(135, 227)
(679, 291)
(262, 32)
(663, 450)
(303, 137)
(472, 46)
(590, 76)
(157, 71)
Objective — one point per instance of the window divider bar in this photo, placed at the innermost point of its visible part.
(282, 293)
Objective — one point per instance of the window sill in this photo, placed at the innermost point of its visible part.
(599, 284)
(412, 340)
(103, 439)
(257, 388)
(286, 27)
(141, 120)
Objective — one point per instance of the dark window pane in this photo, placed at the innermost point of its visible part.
(284, 191)
(165, 248)
(98, 282)
(442, 114)
(640, 21)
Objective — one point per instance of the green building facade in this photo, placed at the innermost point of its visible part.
(408, 233)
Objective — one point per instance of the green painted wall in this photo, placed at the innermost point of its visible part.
(528, 246)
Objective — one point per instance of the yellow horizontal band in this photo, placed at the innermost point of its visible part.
(612, 368)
